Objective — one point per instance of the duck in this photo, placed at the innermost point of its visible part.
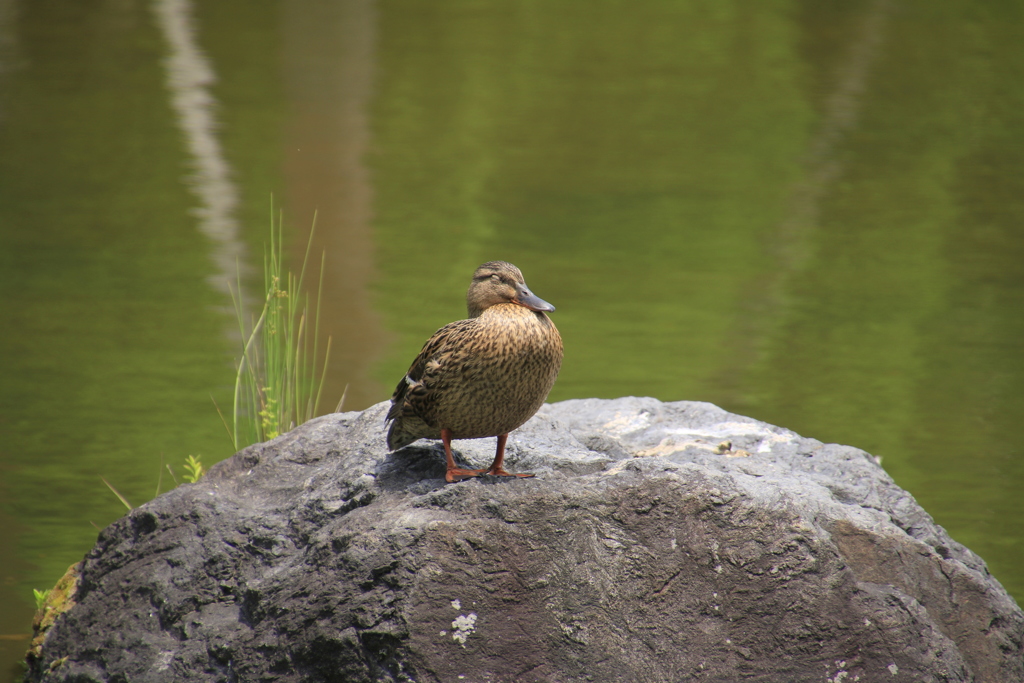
(481, 377)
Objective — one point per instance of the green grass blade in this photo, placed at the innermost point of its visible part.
(118, 494)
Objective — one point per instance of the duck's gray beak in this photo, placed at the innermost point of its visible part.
(524, 297)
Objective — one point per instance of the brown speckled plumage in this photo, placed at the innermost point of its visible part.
(483, 376)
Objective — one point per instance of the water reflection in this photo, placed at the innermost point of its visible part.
(189, 77)
(790, 245)
(329, 72)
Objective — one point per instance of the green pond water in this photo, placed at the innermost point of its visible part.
(809, 212)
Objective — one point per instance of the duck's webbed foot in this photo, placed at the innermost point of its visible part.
(458, 474)
(500, 472)
(496, 469)
(454, 473)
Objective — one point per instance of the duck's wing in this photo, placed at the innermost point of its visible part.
(414, 393)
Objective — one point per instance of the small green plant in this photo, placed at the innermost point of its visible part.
(277, 383)
(194, 469)
(269, 416)
(40, 597)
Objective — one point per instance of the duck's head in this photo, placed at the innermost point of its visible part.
(499, 282)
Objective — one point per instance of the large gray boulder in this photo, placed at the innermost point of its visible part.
(658, 542)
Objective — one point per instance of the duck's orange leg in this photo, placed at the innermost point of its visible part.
(496, 468)
(454, 473)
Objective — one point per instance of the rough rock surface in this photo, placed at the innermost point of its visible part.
(645, 550)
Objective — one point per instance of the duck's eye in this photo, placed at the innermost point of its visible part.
(495, 278)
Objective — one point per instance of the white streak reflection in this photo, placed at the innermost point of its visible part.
(189, 77)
